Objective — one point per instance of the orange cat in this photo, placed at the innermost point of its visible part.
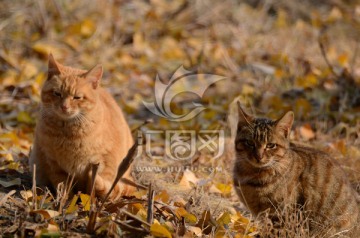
(79, 124)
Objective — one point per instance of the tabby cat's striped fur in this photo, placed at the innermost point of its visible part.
(271, 174)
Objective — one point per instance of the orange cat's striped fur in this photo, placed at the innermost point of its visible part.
(79, 124)
(271, 174)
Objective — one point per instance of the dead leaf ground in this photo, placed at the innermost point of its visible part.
(275, 57)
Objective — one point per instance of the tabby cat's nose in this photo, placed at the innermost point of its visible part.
(259, 155)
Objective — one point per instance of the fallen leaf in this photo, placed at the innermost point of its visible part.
(158, 230)
(195, 230)
(306, 132)
(205, 222)
(83, 199)
(188, 180)
(14, 182)
(163, 196)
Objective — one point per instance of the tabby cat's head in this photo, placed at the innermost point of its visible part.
(261, 141)
(67, 92)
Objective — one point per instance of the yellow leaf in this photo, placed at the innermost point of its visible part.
(341, 147)
(220, 232)
(139, 43)
(158, 230)
(87, 28)
(9, 157)
(24, 117)
(302, 107)
(279, 73)
(85, 201)
(190, 218)
(343, 60)
(135, 208)
(335, 14)
(72, 41)
(12, 165)
(29, 70)
(73, 207)
(282, 19)
(224, 188)
(10, 137)
(170, 49)
(309, 80)
(141, 194)
(45, 48)
(163, 196)
(247, 90)
(225, 219)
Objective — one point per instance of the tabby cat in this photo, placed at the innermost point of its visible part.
(270, 174)
(79, 124)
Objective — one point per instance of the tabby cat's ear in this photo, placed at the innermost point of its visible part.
(285, 123)
(94, 75)
(53, 67)
(243, 117)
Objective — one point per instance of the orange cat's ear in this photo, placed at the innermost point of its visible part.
(285, 123)
(243, 117)
(53, 68)
(94, 75)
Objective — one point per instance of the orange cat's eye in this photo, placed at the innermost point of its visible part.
(77, 98)
(57, 94)
(270, 145)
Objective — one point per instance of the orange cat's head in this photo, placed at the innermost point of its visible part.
(68, 92)
(262, 142)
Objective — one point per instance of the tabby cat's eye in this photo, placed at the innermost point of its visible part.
(270, 145)
(77, 97)
(249, 143)
(57, 94)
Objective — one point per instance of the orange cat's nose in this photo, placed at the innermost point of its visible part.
(64, 108)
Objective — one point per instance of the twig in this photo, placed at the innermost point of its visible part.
(93, 211)
(127, 226)
(182, 7)
(353, 59)
(133, 183)
(135, 217)
(123, 167)
(94, 169)
(150, 211)
(67, 188)
(6, 196)
(147, 121)
(34, 206)
(323, 52)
